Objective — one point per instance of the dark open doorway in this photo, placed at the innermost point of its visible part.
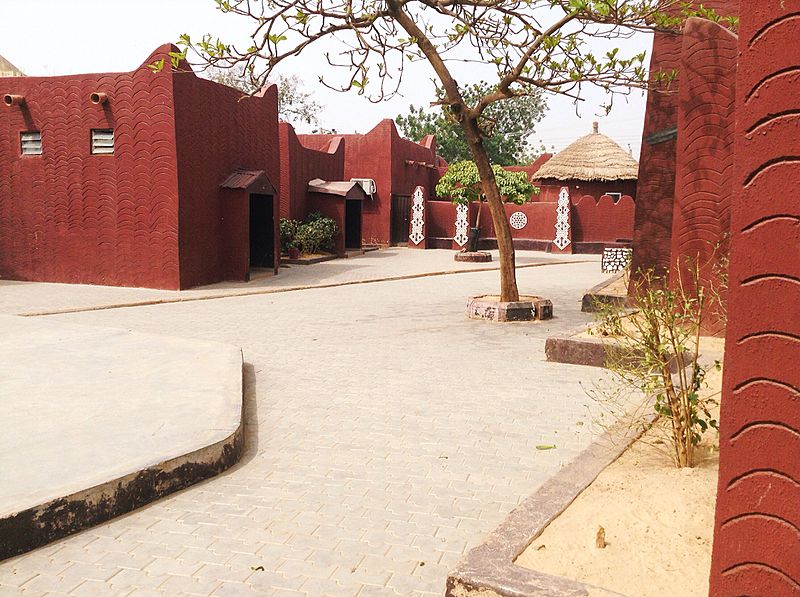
(401, 219)
(352, 224)
(262, 232)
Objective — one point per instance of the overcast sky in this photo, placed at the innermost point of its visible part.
(84, 36)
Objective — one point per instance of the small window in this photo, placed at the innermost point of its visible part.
(615, 196)
(103, 141)
(31, 142)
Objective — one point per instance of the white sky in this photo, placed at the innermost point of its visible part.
(84, 36)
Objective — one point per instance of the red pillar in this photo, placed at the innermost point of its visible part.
(704, 181)
(757, 527)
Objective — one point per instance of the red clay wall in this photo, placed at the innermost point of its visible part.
(652, 236)
(440, 219)
(217, 132)
(756, 539)
(69, 216)
(704, 183)
(601, 220)
(578, 188)
(381, 154)
(299, 165)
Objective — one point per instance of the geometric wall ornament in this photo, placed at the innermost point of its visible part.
(518, 220)
(615, 259)
(562, 219)
(417, 216)
(462, 225)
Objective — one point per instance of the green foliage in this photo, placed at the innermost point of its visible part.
(654, 356)
(316, 235)
(461, 184)
(288, 230)
(508, 124)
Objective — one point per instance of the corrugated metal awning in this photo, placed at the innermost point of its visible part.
(245, 179)
(340, 188)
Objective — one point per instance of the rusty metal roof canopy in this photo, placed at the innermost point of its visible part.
(340, 188)
(246, 179)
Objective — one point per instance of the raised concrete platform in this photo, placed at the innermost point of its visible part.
(99, 421)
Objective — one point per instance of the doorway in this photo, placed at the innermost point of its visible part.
(401, 219)
(352, 224)
(262, 232)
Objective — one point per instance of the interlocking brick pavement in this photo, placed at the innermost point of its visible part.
(386, 435)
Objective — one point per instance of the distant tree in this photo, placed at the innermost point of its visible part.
(294, 105)
(508, 126)
(462, 184)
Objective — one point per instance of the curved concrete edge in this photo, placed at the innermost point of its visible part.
(36, 526)
(489, 570)
(596, 296)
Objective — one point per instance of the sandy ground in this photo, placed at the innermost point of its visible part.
(658, 521)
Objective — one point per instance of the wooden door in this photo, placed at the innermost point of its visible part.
(401, 219)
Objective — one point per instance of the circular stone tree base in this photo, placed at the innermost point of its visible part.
(528, 308)
(473, 256)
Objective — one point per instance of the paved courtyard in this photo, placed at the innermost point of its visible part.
(386, 435)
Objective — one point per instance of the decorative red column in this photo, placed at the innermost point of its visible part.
(757, 527)
(704, 176)
(655, 191)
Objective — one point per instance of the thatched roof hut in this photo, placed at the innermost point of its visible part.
(594, 157)
(9, 70)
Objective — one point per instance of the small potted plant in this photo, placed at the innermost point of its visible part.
(293, 251)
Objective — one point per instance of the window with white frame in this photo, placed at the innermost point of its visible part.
(31, 142)
(615, 196)
(103, 141)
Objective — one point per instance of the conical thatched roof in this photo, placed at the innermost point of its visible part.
(593, 157)
(9, 70)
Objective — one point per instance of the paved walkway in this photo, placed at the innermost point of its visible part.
(27, 298)
(386, 434)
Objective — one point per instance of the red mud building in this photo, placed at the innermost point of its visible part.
(161, 180)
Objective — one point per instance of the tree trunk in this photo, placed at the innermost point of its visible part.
(472, 132)
(508, 276)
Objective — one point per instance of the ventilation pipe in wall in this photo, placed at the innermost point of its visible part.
(13, 100)
(98, 98)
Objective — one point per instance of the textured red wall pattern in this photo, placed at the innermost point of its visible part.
(704, 175)
(70, 216)
(652, 237)
(218, 131)
(151, 213)
(757, 526)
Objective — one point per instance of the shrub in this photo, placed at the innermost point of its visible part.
(288, 229)
(317, 234)
(655, 363)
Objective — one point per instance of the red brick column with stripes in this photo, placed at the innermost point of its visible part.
(757, 527)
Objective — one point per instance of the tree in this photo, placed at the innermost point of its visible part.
(526, 45)
(511, 124)
(461, 183)
(294, 105)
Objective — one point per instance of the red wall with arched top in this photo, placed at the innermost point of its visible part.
(602, 220)
(70, 216)
(757, 525)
